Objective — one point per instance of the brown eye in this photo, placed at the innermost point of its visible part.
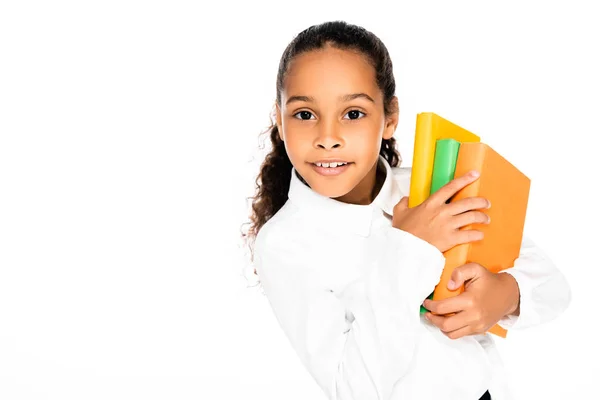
(354, 114)
(304, 115)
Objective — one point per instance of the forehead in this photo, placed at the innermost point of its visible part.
(328, 73)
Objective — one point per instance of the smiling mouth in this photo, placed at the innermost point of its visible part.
(332, 168)
(334, 164)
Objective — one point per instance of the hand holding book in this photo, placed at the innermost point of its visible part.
(438, 222)
(487, 298)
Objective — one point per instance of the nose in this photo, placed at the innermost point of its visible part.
(329, 138)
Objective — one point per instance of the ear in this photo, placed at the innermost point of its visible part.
(278, 121)
(391, 121)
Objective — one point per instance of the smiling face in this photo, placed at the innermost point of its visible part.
(331, 113)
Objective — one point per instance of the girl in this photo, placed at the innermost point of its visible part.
(345, 264)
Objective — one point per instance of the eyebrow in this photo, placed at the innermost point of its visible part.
(344, 98)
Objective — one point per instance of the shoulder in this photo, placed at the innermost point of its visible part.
(278, 231)
(279, 246)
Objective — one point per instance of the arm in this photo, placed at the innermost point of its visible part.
(359, 341)
(544, 291)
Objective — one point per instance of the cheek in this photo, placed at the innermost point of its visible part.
(367, 138)
(294, 142)
(296, 147)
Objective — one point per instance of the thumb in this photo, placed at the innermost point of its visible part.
(462, 274)
(402, 204)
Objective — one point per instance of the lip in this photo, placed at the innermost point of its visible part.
(330, 160)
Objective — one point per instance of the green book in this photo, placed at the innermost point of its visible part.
(444, 165)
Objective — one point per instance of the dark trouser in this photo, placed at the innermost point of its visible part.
(486, 396)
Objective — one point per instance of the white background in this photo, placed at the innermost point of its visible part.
(128, 146)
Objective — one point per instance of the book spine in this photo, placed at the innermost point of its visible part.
(444, 163)
(470, 158)
(421, 153)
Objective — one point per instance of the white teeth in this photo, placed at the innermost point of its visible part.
(330, 165)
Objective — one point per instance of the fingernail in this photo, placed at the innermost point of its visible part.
(474, 174)
(489, 204)
(451, 284)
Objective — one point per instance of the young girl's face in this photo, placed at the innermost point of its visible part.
(332, 111)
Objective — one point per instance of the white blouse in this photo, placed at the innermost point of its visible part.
(346, 288)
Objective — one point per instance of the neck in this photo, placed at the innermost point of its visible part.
(365, 192)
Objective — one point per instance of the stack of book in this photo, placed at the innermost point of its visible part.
(443, 151)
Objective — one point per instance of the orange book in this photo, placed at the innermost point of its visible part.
(507, 189)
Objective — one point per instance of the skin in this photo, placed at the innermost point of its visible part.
(331, 107)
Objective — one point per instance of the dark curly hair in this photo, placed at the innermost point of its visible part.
(273, 181)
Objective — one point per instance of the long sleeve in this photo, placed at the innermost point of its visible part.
(544, 291)
(358, 341)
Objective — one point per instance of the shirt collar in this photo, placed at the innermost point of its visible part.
(349, 217)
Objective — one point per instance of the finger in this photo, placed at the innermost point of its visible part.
(450, 188)
(467, 204)
(469, 271)
(468, 218)
(466, 236)
(458, 333)
(450, 305)
(401, 205)
(447, 324)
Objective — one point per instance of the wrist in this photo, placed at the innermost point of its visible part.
(514, 296)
